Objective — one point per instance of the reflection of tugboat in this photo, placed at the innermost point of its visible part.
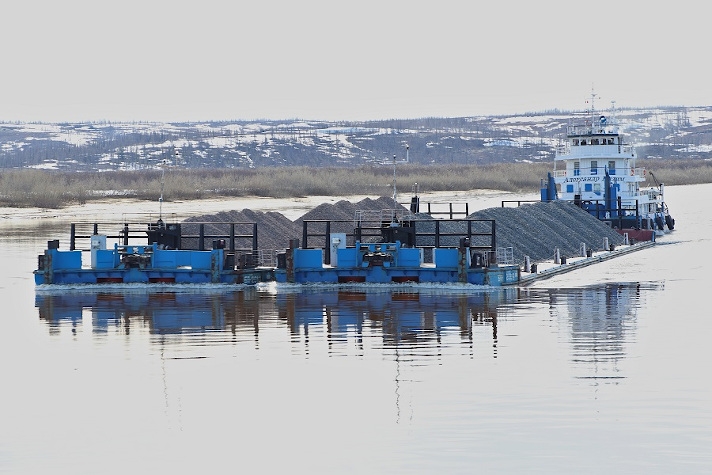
(599, 174)
(602, 319)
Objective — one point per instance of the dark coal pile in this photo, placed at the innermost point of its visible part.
(533, 230)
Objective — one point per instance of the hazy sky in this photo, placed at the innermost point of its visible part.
(76, 60)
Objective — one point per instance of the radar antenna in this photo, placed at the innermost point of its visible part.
(395, 188)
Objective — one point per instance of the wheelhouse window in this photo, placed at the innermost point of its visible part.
(594, 167)
(576, 141)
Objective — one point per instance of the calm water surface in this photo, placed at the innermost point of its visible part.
(605, 369)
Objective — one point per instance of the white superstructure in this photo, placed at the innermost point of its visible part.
(595, 168)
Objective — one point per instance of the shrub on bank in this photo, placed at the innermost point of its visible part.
(54, 189)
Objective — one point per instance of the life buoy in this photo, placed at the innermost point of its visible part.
(632, 172)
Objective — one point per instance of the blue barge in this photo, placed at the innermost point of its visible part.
(408, 249)
(401, 250)
(155, 253)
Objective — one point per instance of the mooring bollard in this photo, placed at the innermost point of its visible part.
(605, 244)
(557, 256)
(527, 264)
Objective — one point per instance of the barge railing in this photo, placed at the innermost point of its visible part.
(478, 233)
(208, 235)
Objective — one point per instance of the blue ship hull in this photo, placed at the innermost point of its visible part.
(152, 266)
(385, 263)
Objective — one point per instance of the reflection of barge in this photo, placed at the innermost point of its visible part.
(399, 315)
(402, 315)
(162, 312)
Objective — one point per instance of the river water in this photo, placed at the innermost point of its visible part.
(602, 370)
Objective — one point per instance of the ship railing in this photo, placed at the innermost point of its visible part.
(400, 215)
(558, 173)
(424, 233)
(563, 148)
(505, 256)
(368, 216)
(184, 235)
(652, 194)
(588, 127)
(446, 210)
(267, 257)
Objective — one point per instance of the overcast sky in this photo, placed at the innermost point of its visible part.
(149, 60)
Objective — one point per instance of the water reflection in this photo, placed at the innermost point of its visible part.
(403, 318)
(399, 318)
(158, 312)
(599, 320)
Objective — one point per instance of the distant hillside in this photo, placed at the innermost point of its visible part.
(666, 132)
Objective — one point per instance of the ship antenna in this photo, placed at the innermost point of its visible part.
(160, 199)
(593, 98)
(395, 190)
(163, 183)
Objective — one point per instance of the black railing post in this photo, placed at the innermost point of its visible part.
(327, 247)
(637, 214)
(232, 237)
(305, 242)
(254, 237)
(72, 235)
(437, 233)
(201, 237)
(494, 235)
(620, 213)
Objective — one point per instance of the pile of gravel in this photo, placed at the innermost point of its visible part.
(274, 230)
(537, 229)
(533, 230)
